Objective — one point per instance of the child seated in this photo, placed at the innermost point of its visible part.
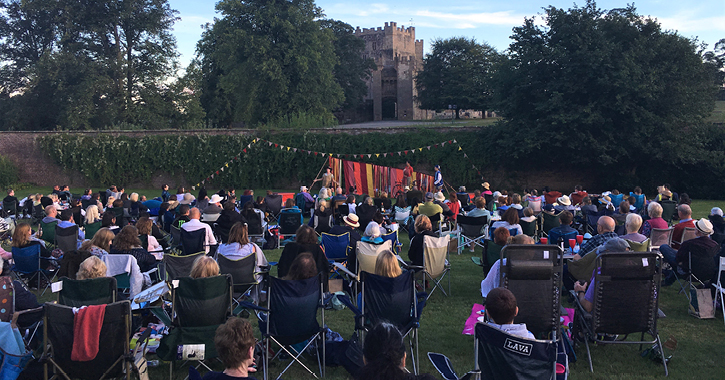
(501, 309)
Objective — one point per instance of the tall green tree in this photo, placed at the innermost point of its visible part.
(604, 88)
(267, 59)
(351, 70)
(457, 72)
(82, 64)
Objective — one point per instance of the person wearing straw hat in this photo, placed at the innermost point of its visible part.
(350, 224)
(564, 203)
(440, 200)
(700, 252)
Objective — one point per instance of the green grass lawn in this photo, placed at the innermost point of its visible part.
(700, 353)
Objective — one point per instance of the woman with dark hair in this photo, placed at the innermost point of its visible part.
(229, 216)
(202, 201)
(302, 268)
(423, 227)
(384, 355)
(305, 241)
(165, 193)
(109, 221)
(509, 220)
(128, 243)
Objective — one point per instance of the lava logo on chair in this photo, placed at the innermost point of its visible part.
(518, 347)
(190, 352)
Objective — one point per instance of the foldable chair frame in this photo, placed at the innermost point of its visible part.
(634, 270)
(720, 286)
(436, 279)
(467, 225)
(39, 272)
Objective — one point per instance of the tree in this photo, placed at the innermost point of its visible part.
(351, 71)
(267, 59)
(456, 72)
(91, 63)
(603, 88)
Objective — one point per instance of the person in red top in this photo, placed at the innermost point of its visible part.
(550, 196)
(578, 195)
(454, 205)
(685, 213)
(407, 175)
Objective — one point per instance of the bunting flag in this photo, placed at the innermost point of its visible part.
(366, 178)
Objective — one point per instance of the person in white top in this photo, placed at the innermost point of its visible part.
(195, 224)
(238, 247)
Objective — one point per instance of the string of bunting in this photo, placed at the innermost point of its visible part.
(337, 155)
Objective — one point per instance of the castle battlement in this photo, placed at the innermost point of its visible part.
(389, 27)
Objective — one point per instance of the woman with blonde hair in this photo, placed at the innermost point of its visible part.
(204, 266)
(109, 202)
(92, 214)
(100, 245)
(91, 267)
(387, 265)
(238, 247)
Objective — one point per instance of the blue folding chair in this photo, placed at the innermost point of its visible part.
(554, 237)
(336, 248)
(393, 237)
(27, 263)
(192, 241)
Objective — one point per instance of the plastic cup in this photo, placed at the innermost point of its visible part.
(572, 243)
(544, 240)
(579, 238)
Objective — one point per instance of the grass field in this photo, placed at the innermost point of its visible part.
(700, 353)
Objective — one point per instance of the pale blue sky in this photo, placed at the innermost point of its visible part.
(485, 20)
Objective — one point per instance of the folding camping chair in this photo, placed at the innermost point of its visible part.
(27, 265)
(336, 248)
(300, 299)
(192, 241)
(528, 228)
(366, 256)
(639, 247)
(393, 238)
(290, 219)
(535, 206)
(720, 286)
(548, 222)
(91, 229)
(436, 263)
(500, 355)
(112, 359)
(10, 209)
(342, 210)
(125, 269)
(533, 273)
(669, 208)
(702, 273)
(322, 224)
(220, 232)
(592, 220)
(66, 238)
(38, 214)
(472, 230)
(47, 231)
(636, 274)
(687, 234)
(244, 276)
(8, 312)
(660, 236)
(176, 267)
(199, 306)
(175, 236)
(274, 204)
(92, 291)
(491, 253)
(555, 238)
(255, 226)
(392, 300)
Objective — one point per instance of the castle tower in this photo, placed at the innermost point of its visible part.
(399, 57)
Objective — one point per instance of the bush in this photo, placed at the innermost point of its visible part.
(8, 172)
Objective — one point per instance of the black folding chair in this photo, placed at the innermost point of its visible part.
(27, 265)
(289, 221)
(533, 273)
(199, 306)
(303, 299)
(244, 276)
(500, 355)
(113, 359)
(192, 241)
(274, 204)
(66, 238)
(176, 267)
(472, 230)
(627, 285)
(93, 291)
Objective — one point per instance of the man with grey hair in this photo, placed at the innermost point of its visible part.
(685, 213)
(605, 232)
(51, 214)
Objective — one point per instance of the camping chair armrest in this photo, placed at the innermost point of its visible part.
(17, 314)
(415, 268)
(579, 308)
(345, 270)
(273, 263)
(345, 299)
(142, 342)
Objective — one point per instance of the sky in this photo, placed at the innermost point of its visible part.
(485, 20)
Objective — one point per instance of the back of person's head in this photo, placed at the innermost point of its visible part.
(350, 199)
(92, 214)
(204, 266)
(633, 222)
(230, 206)
(102, 239)
(511, 216)
(92, 267)
(323, 205)
(21, 235)
(624, 207)
(684, 210)
(516, 198)
(387, 265)
(117, 203)
(578, 188)
(202, 193)
(587, 200)
(289, 203)
(194, 213)
(66, 215)
(522, 239)
(480, 202)
(302, 267)
(501, 306)
(400, 201)
(239, 233)
(184, 209)
(501, 236)
(631, 200)
(126, 239)
(306, 235)
(528, 211)
(384, 354)
(108, 219)
(144, 225)
(133, 197)
(654, 210)
(637, 190)
(566, 217)
(372, 230)
(234, 342)
(422, 223)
